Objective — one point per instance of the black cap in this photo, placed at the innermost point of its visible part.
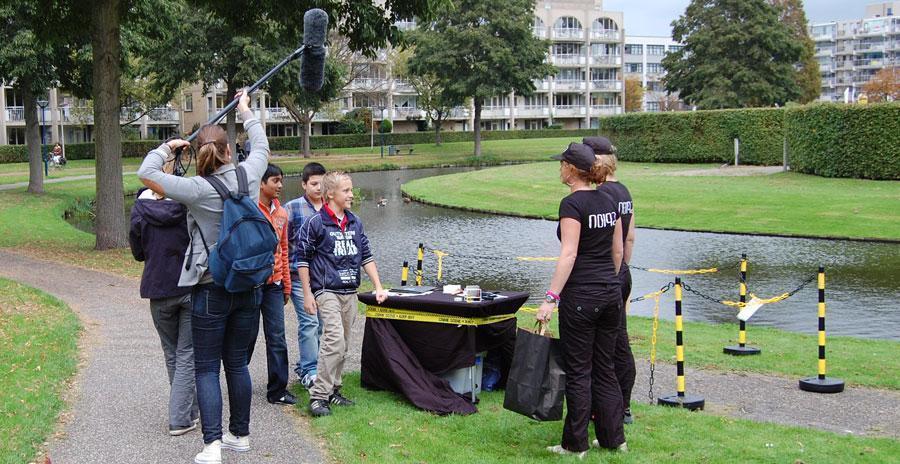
(579, 155)
(600, 145)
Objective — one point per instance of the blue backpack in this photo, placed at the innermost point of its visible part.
(244, 257)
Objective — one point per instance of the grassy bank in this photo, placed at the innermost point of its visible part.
(384, 428)
(38, 352)
(782, 204)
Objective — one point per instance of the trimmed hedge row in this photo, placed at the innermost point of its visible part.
(698, 136)
(78, 151)
(835, 140)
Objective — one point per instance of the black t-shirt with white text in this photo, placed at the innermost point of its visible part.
(596, 211)
(624, 205)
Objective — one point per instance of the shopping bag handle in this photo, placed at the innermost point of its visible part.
(540, 327)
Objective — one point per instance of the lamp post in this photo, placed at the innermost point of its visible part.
(381, 129)
(42, 103)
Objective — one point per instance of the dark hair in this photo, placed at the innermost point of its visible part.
(271, 171)
(312, 169)
(212, 142)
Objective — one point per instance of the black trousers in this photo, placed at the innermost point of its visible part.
(589, 322)
(624, 359)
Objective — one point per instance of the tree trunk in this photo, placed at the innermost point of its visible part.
(110, 226)
(477, 123)
(307, 127)
(33, 140)
(230, 120)
(437, 128)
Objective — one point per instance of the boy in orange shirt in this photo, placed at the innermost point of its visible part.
(276, 292)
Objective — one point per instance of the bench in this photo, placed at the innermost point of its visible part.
(396, 149)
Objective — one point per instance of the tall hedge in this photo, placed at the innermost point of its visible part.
(835, 140)
(698, 136)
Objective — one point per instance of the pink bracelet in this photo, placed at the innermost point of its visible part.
(553, 295)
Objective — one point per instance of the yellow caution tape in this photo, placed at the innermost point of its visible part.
(684, 271)
(380, 312)
(774, 299)
(656, 296)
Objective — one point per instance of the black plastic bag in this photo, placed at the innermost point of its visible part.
(537, 382)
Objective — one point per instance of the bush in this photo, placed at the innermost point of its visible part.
(835, 140)
(386, 126)
(698, 136)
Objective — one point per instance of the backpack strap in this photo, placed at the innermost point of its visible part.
(187, 265)
(243, 183)
(219, 186)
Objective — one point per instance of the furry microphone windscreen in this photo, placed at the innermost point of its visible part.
(312, 62)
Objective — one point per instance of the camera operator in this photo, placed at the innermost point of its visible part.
(223, 323)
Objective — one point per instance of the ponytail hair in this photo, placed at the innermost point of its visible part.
(212, 151)
(605, 165)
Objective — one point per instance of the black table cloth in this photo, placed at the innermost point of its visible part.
(407, 356)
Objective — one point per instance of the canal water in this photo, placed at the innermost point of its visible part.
(863, 278)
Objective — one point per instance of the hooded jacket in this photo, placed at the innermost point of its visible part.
(333, 253)
(159, 237)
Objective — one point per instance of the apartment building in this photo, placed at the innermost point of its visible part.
(66, 119)
(851, 52)
(643, 61)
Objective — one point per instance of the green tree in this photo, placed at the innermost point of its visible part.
(634, 95)
(737, 54)
(807, 69)
(482, 49)
(431, 97)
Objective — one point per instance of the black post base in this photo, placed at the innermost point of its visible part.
(826, 385)
(688, 401)
(738, 350)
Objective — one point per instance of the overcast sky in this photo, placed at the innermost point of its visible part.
(653, 17)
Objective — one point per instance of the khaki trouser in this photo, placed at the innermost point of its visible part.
(337, 313)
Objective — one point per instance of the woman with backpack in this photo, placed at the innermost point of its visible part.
(223, 322)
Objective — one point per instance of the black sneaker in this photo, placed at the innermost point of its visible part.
(338, 399)
(628, 418)
(319, 408)
(288, 399)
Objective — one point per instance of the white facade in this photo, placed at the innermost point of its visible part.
(643, 60)
(851, 52)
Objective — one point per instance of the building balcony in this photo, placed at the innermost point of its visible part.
(458, 113)
(539, 32)
(844, 49)
(278, 114)
(829, 37)
(541, 85)
(15, 113)
(870, 63)
(569, 111)
(828, 82)
(568, 60)
(613, 85)
(402, 86)
(606, 60)
(824, 52)
(368, 83)
(408, 112)
(870, 47)
(826, 68)
(532, 112)
(605, 35)
(569, 85)
(496, 112)
(606, 110)
(568, 34)
(163, 115)
(844, 66)
(862, 79)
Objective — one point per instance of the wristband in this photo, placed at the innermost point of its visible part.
(552, 296)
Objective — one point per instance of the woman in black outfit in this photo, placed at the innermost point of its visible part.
(624, 359)
(585, 285)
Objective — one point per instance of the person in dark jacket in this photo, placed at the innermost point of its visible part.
(158, 237)
(334, 247)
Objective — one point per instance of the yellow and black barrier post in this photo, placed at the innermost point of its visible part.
(741, 349)
(680, 399)
(821, 383)
(419, 257)
(404, 273)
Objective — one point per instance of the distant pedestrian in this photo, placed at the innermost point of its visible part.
(585, 286)
(309, 328)
(624, 358)
(276, 292)
(158, 237)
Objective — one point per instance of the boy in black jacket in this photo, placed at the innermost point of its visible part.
(334, 247)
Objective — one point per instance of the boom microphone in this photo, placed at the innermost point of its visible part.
(312, 61)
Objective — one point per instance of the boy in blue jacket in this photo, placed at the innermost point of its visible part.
(334, 247)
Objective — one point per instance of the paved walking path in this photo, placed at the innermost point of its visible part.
(118, 412)
(119, 415)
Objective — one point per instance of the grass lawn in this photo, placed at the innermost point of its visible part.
(38, 352)
(383, 428)
(782, 204)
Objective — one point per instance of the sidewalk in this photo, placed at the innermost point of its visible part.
(118, 410)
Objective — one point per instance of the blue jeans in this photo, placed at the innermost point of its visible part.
(223, 324)
(309, 330)
(272, 311)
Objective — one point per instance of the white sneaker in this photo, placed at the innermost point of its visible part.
(233, 443)
(623, 448)
(211, 454)
(558, 449)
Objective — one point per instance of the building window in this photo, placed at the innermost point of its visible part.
(652, 106)
(534, 124)
(675, 48)
(604, 74)
(15, 136)
(566, 49)
(364, 100)
(568, 22)
(633, 67)
(188, 103)
(570, 74)
(634, 49)
(656, 50)
(535, 101)
(566, 100)
(282, 130)
(605, 24)
(655, 68)
(604, 49)
(655, 86)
